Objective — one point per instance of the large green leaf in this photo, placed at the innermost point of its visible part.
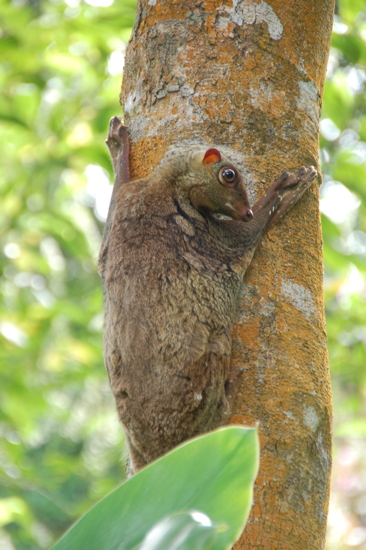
(213, 474)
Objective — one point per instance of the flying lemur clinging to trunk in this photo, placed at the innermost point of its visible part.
(175, 249)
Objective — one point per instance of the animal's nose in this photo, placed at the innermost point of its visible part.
(248, 215)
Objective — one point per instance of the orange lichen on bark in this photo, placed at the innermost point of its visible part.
(248, 77)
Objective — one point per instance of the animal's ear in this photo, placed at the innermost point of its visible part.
(212, 156)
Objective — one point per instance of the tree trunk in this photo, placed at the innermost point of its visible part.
(247, 76)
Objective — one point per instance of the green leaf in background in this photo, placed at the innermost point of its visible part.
(213, 474)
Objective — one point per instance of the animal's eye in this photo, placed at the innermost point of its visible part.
(228, 177)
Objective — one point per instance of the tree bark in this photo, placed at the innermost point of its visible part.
(247, 77)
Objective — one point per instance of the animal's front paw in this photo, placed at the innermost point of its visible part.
(300, 180)
(305, 176)
(289, 188)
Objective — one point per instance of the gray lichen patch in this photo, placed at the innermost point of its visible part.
(249, 13)
(299, 297)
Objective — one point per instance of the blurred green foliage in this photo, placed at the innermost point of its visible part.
(60, 72)
(343, 203)
(61, 65)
